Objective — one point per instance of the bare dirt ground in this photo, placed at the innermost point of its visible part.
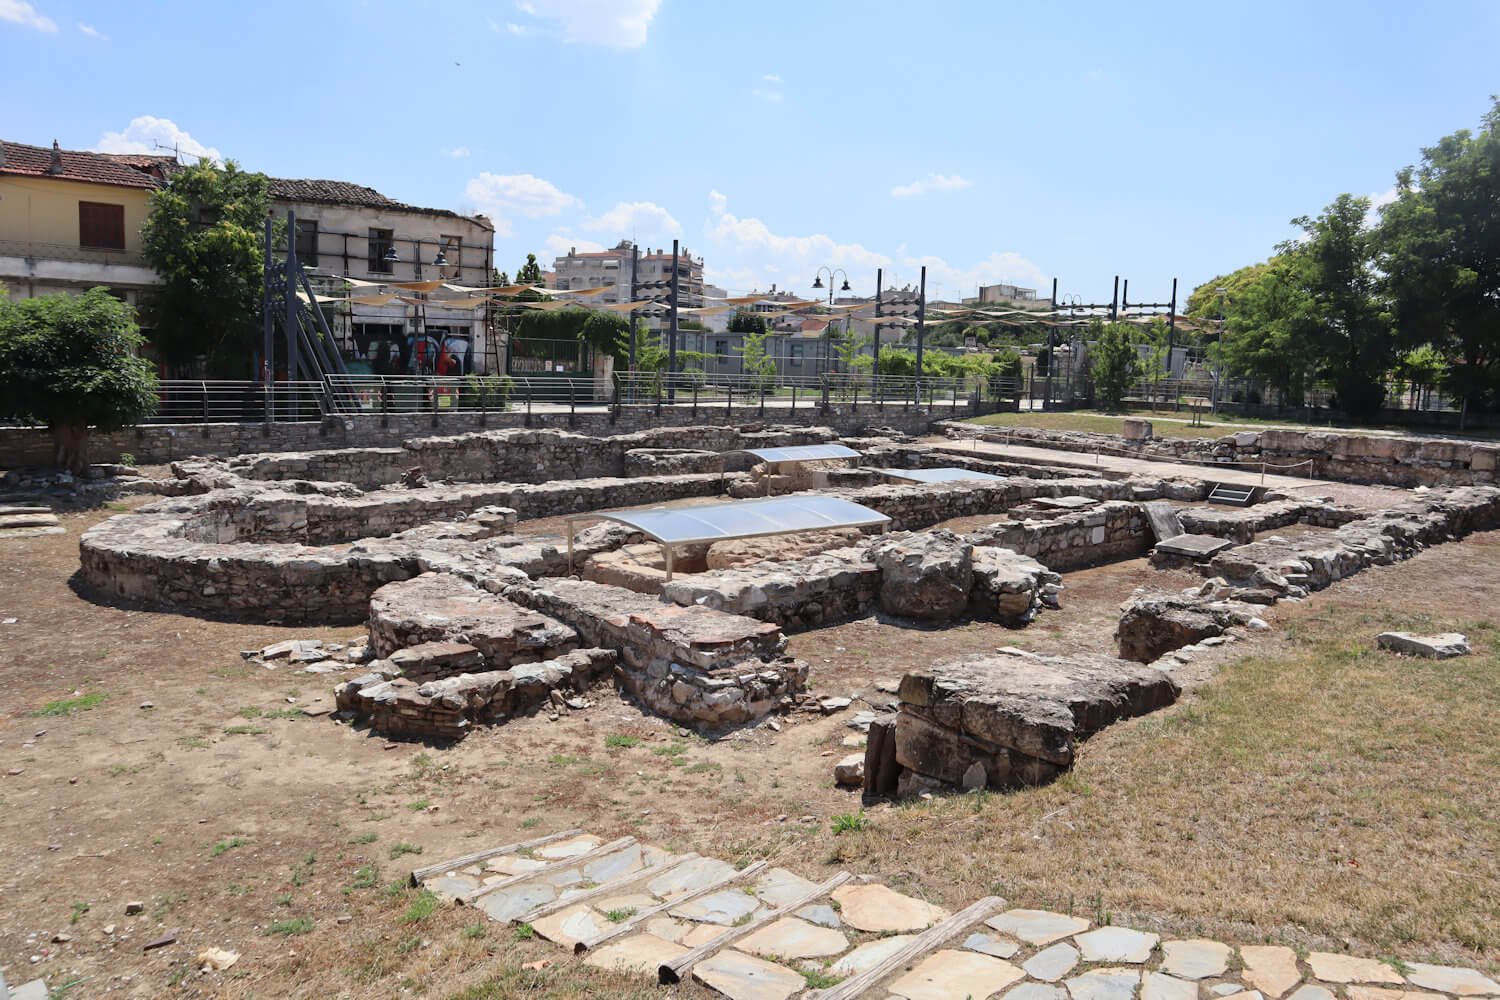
(1309, 792)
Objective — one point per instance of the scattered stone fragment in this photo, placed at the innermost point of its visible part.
(133, 907)
(1331, 968)
(1051, 964)
(1458, 981)
(217, 959)
(34, 990)
(1270, 968)
(1438, 647)
(1037, 927)
(947, 974)
(161, 941)
(1194, 959)
(1105, 984)
(831, 705)
(742, 977)
(1116, 944)
(876, 908)
(850, 772)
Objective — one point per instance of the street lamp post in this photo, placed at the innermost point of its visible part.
(833, 272)
(1219, 350)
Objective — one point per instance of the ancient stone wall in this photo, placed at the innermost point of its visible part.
(1115, 529)
(156, 443)
(1360, 458)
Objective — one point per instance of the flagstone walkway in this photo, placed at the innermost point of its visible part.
(762, 933)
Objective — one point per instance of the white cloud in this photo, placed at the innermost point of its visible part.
(636, 220)
(620, 24)
(772, 78)
(767, 94)
(147, 134)
(744, 253)
(932, 182)
(516, 29)
(21, 12)
(558, 245)
(458, 153)
(504, 196)
(92, 32)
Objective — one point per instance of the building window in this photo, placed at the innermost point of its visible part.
(381, 241)
(100, 226)
(452, 250)
(307, 242)
(796, 355)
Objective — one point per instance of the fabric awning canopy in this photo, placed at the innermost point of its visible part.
(416, 286)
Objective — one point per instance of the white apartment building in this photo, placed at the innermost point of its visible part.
(634, 274)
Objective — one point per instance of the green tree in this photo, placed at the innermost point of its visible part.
(530, 273)
(747, 321)
(1440, 252)
(1346, 321)
(756, 360)
(70, 362)
(1117, 363)
(1269, 333)
(499, 279)
(203, 236)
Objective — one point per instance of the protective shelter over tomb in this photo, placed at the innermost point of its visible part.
(947, 474)
(669, 526)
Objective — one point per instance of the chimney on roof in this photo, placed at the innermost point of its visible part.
(55, 167)
(572, 251)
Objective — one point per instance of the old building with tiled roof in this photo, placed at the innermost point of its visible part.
(71, 219)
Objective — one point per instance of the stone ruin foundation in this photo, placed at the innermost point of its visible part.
(471, 623)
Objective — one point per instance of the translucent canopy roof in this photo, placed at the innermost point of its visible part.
(943, 475)
(743, 518)
(802, 453)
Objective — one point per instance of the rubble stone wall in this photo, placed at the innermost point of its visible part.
(1116, 529)
(1358, 458)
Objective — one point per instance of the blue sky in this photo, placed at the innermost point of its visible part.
(990, 141)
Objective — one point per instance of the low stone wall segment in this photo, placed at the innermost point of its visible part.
(1355, 458)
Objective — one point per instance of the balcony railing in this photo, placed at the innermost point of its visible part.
(69, 252)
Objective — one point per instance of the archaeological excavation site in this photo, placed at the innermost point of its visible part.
(933, 621)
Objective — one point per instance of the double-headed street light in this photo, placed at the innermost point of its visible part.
(833, 272)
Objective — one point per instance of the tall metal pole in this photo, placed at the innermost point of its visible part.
(1051, 352)
(875, 367)
(1171, 328)
(268, 344)
(293, 349)
(921, 329)
(672, 342)
(1114, 303)
(635, 266)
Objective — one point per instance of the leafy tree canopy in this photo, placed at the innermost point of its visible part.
(204, 236)
(529, 273)
(1440, 250)
(69, 362)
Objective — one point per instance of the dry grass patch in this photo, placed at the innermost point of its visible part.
(1320, 792)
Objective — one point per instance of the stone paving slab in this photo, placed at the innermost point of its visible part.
(743, 977)
(790, 938)
(636, 953)
(1037, 927)
(1106, 963)
(955, 975)
(874, 907)
(1200, 547)
(1116, 944)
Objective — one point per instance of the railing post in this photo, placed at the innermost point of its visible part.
(528, 402)
(695, 400)
(614, 402)
(385, 402)
(203, 388)
(794, 397)
(484, 402)
(854, 408)
(762, 397)
(572, 404)
(432, 395)
(955, 397)
(824, 377)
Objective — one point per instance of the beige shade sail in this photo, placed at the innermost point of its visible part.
(321, 298)
(380, 299)
(625, 306)
(466, 302)
(417, 286)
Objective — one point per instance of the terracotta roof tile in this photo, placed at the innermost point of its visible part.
(325, 192)
(77, 165)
